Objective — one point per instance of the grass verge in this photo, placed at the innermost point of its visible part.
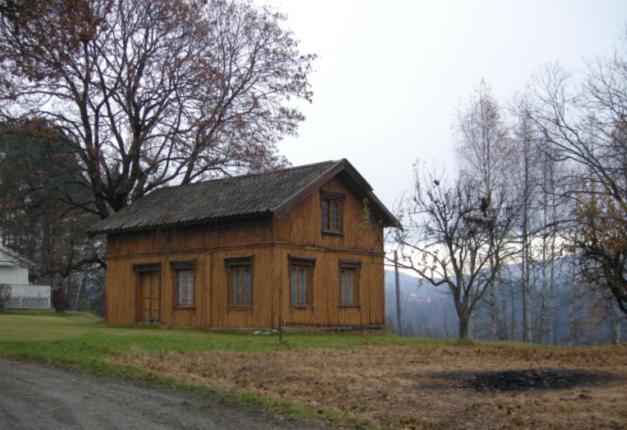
(81, 340)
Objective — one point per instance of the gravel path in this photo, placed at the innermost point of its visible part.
(39, 397)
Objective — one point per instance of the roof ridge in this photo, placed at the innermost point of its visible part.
(246, 175)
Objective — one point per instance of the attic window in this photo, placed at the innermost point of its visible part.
(332, 212)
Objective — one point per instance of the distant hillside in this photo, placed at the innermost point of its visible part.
(579, 315)
(426, 310)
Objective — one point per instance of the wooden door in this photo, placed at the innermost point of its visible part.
(149, 296)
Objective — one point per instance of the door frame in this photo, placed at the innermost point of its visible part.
(139, 270)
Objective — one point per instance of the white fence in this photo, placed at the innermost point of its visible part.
(29, 297)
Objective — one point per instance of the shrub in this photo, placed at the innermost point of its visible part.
(60, 301)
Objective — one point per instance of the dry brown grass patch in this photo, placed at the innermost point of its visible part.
(404, 387)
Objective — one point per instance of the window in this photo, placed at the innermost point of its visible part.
(301, 281)
(332, 206)
(183, 273)
(239, 281)
(349, 283)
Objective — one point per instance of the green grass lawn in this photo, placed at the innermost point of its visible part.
(83, 339)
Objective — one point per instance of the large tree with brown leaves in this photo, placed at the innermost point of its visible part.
(150, 92)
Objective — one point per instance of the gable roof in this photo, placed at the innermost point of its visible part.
(13, 259)
(247, 196)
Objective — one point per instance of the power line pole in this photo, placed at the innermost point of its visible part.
(398, 295)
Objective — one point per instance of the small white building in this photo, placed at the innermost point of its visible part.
(13, 267)
(14, 272)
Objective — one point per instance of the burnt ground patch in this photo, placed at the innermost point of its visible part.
(530, 379)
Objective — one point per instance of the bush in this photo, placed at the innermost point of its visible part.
(5, 295)
(60, 301)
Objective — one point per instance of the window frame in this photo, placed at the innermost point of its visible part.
(229, 264)
(302, 262)
(355, 266)
(175, 268)
(330, 197)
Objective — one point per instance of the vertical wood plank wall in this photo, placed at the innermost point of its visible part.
(270, 242)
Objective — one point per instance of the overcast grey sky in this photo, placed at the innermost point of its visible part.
(391, 74)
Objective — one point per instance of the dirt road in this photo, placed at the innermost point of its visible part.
(38, 397)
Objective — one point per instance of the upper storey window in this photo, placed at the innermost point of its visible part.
(332, 212)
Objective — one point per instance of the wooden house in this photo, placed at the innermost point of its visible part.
(296, 246)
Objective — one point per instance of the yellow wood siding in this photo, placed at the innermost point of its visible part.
(303, 224)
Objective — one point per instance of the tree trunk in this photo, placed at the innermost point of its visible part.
(526, 293)
(551, 293)
(572, 332)
(399, 321)
(542, 318)
(526, 296)
(503, 332)
(554, 232)
(463, 327)
(493, 313)
(526, 240)
(615, 321)
(512, 299)
(79, 289)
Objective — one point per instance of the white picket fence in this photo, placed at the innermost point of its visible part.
(29, 297)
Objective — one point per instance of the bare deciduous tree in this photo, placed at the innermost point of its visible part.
(483, 160)
(451, 237)
(587, 126)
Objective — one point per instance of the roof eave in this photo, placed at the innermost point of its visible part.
(20, 260)
(389, 220)
(206, 221)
